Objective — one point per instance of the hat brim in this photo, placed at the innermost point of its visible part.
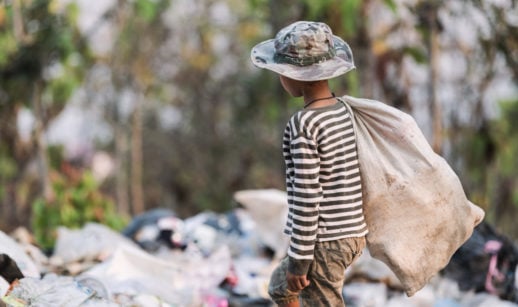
(262, 56)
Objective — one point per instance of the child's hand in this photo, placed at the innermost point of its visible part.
(296, 282)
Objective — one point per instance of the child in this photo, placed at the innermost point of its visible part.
(325, 220)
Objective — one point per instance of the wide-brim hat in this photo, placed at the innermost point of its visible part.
(305, 51)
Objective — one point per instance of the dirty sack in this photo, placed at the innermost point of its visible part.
(415, 207)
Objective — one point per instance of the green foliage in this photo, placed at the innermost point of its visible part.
(258, 4)
(61, 87)
(49, 39)
(74, 205)
(350, 12)
(8, 170)
(391, 4)
(489, 166)
(353, 82)
(8, 43)
(7, 166)
(505, 131)
(417, 53)
(55, 155)
(317, 8)
(146, 9)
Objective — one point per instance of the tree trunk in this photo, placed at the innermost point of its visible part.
(121, 181)
(434, 105)
(41, 144)
(137, 191)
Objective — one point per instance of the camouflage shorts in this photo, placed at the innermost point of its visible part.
(326, 274)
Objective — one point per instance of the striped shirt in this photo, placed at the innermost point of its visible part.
(322, 181)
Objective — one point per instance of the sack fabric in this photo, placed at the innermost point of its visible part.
(415, 206)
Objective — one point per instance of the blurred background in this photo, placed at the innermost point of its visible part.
(109, 108)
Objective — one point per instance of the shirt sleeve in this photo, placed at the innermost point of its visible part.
(307, 194)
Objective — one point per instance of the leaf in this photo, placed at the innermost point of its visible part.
(391, 5)
(7, 167)
(62, 89)
(146, 9)
(417, 54)
(8, 47)
(350, 12)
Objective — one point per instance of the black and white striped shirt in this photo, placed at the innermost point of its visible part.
(322, 180)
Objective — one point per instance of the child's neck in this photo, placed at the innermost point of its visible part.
(318, 97)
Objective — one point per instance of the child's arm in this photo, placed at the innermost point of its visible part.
(307, 194)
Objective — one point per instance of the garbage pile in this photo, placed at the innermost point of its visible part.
(225, 260)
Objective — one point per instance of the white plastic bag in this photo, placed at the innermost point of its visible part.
(269, 210)
(415, 207)
(180, 279)
(92, 242)
(52, 290)
(15, 250)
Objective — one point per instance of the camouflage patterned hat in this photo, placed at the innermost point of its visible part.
(306, 51)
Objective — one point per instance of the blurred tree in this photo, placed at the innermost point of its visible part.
(140, 28)
(193, 121)
(430, 25)
(487, 146)
(210, 153)
(131, 65)
(502, 175)
(42, 61)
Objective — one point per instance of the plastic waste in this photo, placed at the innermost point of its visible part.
(253, 275)
(178, 281)
(372, 269)
(268, 208)
(11, 248)
(4, 287)
(52, 290)
(8, 269)
(92, 242)
(365, 294)
(155, 228)
(485, 263)
(484, 300)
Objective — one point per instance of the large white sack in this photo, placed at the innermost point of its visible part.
(415, 207)
(268, 208)
(180, 279)
(92, 242)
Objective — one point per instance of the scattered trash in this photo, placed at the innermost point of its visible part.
(52, 290)
(225, 260)
(269, 210)
(486, 263)
(178, 278)
(154, 229)
(369, 269)
(77, 250)
(10, 247)
(9, 269)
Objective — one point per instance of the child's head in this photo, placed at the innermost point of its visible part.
(305, 51)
